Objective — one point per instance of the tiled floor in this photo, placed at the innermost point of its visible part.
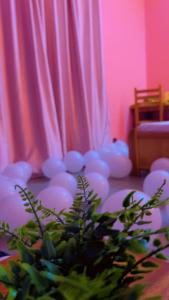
(130, 182)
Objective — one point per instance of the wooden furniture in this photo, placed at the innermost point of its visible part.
(150, 110)
(149, 139)
(143, 98)
(146, 147)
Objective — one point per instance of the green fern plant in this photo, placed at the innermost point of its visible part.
(80, 253)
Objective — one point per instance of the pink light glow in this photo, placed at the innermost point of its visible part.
(124, 57)
(157, 31)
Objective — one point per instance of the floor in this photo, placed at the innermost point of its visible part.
(131, 182)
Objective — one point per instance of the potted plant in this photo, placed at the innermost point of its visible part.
(80, 254)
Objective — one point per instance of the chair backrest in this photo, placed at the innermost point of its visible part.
(146, 101)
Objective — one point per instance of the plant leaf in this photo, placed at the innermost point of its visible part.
(149, 264)
(137, 246)
(126, 201)
(161, 256)
(12, 293)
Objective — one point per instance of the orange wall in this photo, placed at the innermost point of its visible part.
(124, 57)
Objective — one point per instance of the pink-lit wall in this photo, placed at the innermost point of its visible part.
(123, 23)
(157, 45)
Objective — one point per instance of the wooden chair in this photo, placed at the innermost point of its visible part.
(149, 139)
(143, 98)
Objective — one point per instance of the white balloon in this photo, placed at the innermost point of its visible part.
(121, 143)
(90, 155)
(7, 187)
(120, 166)
(74, 161)
(13, 211)
(99, 166)
(105, 154)
(19, 182)
(52, 166)
(154, 180)
(66, 181)
(122, 147)
(113, 148)
(98, 183)
(160, 164)
(14, 171)
(115, 203)
(56, 197)
(27, 169)
(155, 219)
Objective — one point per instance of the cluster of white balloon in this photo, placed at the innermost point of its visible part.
(115, 203)
(12, 210)
(159, 172)
(110, 161)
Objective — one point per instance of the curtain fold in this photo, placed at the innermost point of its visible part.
(52, 90)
